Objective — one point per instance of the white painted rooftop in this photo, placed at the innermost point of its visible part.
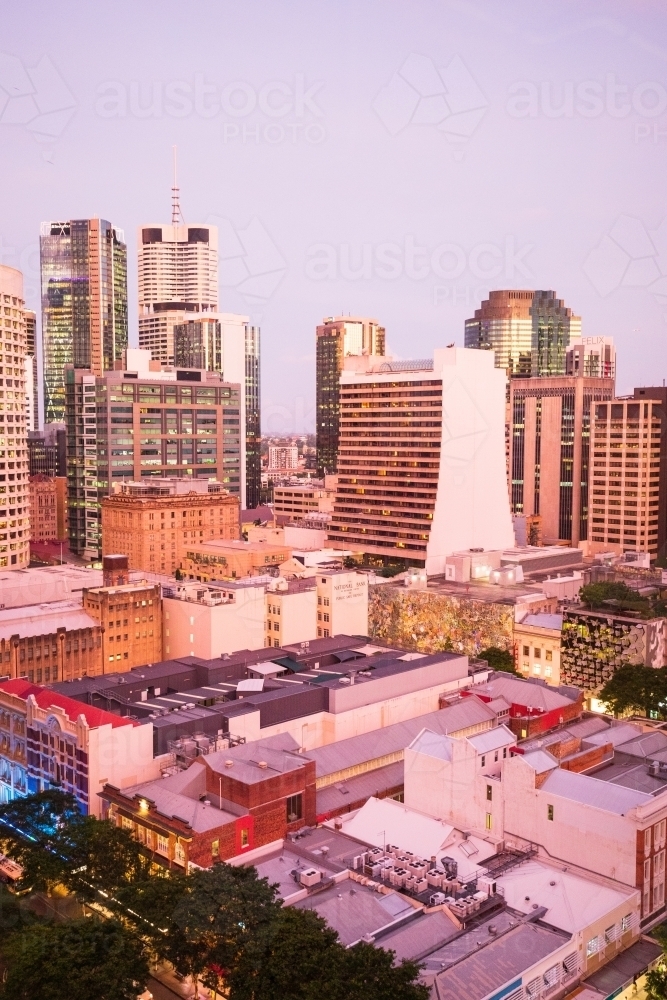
(593, 792)
(42, 619)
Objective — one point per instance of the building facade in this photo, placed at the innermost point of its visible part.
(178, 278)
(230, 345)
(155, 521)
(140, 423)
(14, 468)
(47, 451)
(84, 302)
(421, 461)
(549, 438)
(338, 338)
(528, 331)
(46, 643)
(44, 518)
(32, 385)
(233, 560)
(51, 741)
(130, 617)
(296, 502)
(537, 646)
(283, 459)
(594, 357)
(629, 507)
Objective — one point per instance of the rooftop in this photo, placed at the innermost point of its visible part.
(43, 619)
(47, 698)
(355, 910)
(592, 791)
(554, 622)
(523, 692)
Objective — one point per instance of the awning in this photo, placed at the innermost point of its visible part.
(620, 973)
(289, 664)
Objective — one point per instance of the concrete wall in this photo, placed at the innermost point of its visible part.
(214, 629)
(121, 756)
(347, 594)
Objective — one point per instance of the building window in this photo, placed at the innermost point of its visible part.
(489, 821)
(550, 812)
(538, 653)
(215, 848)
(244, 837)
(526, 650)
(294, 805)
(626, 922)
(489, 793)
(548, 656)
(592, 947)
(162, 845)
(483, 760)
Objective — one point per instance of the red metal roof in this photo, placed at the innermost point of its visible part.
(45, 698)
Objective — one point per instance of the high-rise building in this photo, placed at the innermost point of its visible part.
(229, 344)
(178, 276)
(591, 356)
(336, 339)
(283, 458)
(47, 450)
(421, 460)
(32, 387)
(528, 331)
(14, 490)
(142, 422)
(629, 505)
(84, 302)
(549, 438)
(153, 522)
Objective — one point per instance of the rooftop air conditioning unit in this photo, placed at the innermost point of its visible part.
(311, 876)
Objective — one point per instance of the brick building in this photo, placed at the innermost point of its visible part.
(155, 522)
(130, 617)
(50, 642)
(223, 804)
(48, 508)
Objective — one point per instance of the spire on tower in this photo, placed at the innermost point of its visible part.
(176, 213)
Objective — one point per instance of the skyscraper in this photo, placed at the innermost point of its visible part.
(228, 344)
(14, 485)
(549, 437)
(421, 461)
(140, 423)
(84, 302)
(32, 388)
(336, 339)
(529, 331)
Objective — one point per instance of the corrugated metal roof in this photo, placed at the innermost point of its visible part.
(540, 761)
(592, 792)
(523, 692)
(493, 739)
(544, 621)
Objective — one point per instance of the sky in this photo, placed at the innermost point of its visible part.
(365, 157)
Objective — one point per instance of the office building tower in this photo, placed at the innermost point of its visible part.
(594, 357)
(336, 339)
(549, 438)
(47, 451)
(421, 467)
(14, 489)
(178, 276)
(629, 508)
(153, 522)
(528, 331)
(230, 345)
(139, 422)
(84, 302)
(32, 387)
(283, 459)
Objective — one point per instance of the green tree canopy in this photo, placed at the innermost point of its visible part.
(74, 961)
(638, 689)
(610, 595)
(498, 659)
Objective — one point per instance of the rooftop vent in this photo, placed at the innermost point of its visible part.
(229, 763)
(262, 763)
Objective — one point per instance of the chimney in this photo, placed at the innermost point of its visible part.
(115, 571)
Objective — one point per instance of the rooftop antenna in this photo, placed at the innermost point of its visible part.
(176, 213)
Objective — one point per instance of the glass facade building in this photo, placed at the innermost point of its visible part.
(14, 488)
(229, 344)
(529, 331)
(84, 302)
(337, 339)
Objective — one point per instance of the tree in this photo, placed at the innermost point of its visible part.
(635, 688)
(498, 659)
(74, 961)
(656, 983)
(615, 595)
(369, 973)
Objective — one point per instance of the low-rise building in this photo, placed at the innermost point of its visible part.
(595, 644)
(48, 509)
(155, 522)
(537, 646)
(297, 502)
(222, 805)
(50, 642)
(51, 741)
(232, 560)
(208, 621)
(130, 617)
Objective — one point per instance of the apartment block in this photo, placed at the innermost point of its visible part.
(204, 621)
(14, 491)
(283, 459)
(549, 439)
(155, 522)
(629, 505)
(84, 302)
(48, 740)
(537, 640)
(139, 423)
(338, 338)
(296, 502)
(130, 617)
(32, 384)
(528, 331)
(421, 461)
